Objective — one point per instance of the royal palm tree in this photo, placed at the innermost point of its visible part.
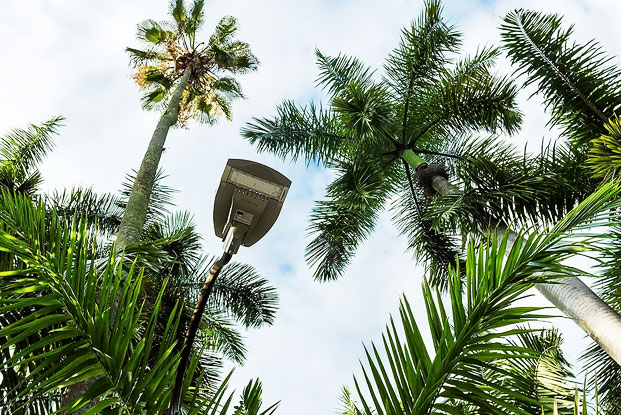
(423, 107)
(187, 79)
(482, 358)
(374, 132)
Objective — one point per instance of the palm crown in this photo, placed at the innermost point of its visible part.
(171, 48)
(424, 104)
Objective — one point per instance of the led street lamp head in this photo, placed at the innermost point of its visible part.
(247, 203)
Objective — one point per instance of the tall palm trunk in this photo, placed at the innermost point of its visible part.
(570, 295)
(136, 211)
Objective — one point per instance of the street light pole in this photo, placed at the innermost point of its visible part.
(247, 204)
(199, 309)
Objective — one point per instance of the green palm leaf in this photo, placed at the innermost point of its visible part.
(578, 82)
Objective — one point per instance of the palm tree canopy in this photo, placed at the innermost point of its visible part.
(425, 103)
(172, 47)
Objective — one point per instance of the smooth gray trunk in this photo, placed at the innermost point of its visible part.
(570, 295)
(136, 211)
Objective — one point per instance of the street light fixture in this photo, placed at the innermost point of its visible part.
(247, 204)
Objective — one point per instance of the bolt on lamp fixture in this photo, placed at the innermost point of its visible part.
(248, 202)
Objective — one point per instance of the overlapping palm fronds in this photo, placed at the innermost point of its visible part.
(470, 366)
(581, 86)
(579, 83)
(171, 47)
(425, 101)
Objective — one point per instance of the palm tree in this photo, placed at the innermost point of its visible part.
(423, 108)
(374, 132)
(57, 328)
(187, 79)
(483, 359)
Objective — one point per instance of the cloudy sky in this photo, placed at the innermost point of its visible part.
(67, 57)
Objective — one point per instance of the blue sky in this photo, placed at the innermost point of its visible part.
(67, 57)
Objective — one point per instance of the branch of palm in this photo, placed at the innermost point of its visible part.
(56, 312)
(173, 252)
(20, 152)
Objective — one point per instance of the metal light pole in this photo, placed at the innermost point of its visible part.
(247, 204)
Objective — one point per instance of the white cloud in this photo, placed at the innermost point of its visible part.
(67, 57)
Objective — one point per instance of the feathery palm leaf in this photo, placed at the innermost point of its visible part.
(579, 84)
(21, 150)
(62, 317)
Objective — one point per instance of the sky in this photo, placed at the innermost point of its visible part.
(67, 57)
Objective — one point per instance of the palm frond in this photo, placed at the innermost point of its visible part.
(194, 20)
(336, 73)
(24, 148)
(219, 333)
(245, 295)
(501, 182)
(67, 310)
(101, 210)
(437, 250)
(364, 112)
(579, 84)
(469, 95)
(21, 150)
(152, 32)
(608, 286)
(605, 152)
(547, 375)
(251, 401)
(309, 132)
(341, 223)
(348, 405)
(338, 230)
(415, 64)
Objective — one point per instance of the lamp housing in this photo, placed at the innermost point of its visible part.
(248, 202)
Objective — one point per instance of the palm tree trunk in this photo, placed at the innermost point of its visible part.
(570, 295)
(136, 211)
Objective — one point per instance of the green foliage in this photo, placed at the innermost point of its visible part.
(470, 366)
(61, 328)
(578, 82)
(498, 181)
(425, 101)
(309, 132)
(104, 211)
(605, 152)
(21, 150)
